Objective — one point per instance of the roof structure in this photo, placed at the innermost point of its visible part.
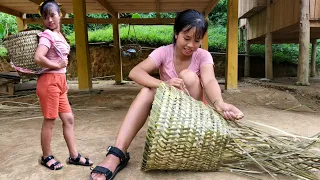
(16, 7)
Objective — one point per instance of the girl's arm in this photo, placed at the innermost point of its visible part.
(141, 74)
(41, 59)
(210, 83)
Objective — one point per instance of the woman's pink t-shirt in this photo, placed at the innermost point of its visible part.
(163, 58)
(51, 39)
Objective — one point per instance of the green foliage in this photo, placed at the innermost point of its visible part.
(136, 16)
(10, 22)
(219, 14)
(2, 31)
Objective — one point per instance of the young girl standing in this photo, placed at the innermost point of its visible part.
(51, 54)
(182, 65)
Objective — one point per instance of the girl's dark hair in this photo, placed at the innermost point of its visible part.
(47, 7)
(189, 19)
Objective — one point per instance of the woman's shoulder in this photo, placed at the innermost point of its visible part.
(202, 54)
(48, 34)
(166, 48)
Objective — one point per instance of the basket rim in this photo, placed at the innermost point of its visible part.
(21, 33)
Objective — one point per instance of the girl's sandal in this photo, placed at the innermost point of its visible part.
(124, 159)
(52, 166)
(77, 161)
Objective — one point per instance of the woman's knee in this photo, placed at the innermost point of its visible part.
(148, 94)
(189, 77)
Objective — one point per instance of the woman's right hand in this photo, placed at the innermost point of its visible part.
(176, 82)
(62, 63)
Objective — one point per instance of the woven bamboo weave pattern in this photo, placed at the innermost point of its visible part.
(177, 140)
(185, 134)
(21, 49)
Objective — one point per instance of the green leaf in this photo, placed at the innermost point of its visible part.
(136, 15)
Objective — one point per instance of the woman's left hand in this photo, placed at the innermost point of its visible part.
(228, 111)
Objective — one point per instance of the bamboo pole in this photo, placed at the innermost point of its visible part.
(268, 45)
(304, 44)
(117, 45)
(313, 58)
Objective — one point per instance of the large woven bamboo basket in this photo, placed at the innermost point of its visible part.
(21, 49)
(185, 134)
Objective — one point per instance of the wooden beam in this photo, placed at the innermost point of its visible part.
(147, 21)
(268, 44)
(313, 58)
(21, 24)
(107, 7)
(232, 46)
(38, 2)
(205, 40)
(117, 52)
(304, 44)
(211, 5)
(10, 11)
(82, 50)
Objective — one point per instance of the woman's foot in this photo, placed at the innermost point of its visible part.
(115, 161)
(51, 163)
(111, 162)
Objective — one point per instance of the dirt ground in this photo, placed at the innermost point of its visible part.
(99, 114)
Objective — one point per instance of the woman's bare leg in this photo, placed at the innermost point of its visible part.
(133, 122)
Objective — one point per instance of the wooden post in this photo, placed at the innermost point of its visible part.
(268, 45)
(313, 58)
(82, 50)
(247, 60)
(117, 47)
(304, 44)
(21, 24)
(205, 40)
(232, 46)
(241, 38)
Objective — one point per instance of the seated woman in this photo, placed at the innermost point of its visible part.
(183, 65)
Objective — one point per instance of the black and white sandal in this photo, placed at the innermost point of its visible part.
(77, 161)
(52, 166)
(124, 159)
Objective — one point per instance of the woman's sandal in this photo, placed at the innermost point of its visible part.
(52, 166)
(77, 161)
(124, 159)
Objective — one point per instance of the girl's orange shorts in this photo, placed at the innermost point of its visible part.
(52, 93)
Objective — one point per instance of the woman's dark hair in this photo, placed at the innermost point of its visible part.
(47, 7)
(189, 19)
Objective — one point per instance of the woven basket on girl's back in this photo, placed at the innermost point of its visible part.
(21, 48)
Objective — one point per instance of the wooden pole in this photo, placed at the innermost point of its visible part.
(247, 60)
(313, 58)
(304, 44)
(268, 45)
(117, 47)
(232, 46)
(205, 40)
(82, 50)
(21, 24)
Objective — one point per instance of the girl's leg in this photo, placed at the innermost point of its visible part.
(46, 134)
(192, 83)
(68, 133)
(133, 122)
